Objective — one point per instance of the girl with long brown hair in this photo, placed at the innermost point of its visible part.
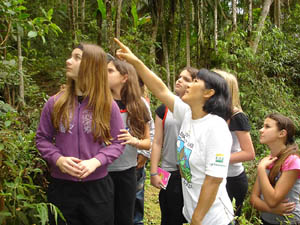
(277, 187)
(77, 136)
(123, 82)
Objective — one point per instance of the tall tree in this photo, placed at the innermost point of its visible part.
(263, 16)
(234, 23)
(215, 25)
(118, 18)
(250, 4)
(109, 21)
(83, 15)
(20, 67)
(173, 9)
(155, 6)
(277, 13)
(187, 31)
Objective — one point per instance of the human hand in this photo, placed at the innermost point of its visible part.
(127, 138)
(88, 166)
(69, 165)
(141, 161)
(266, 161)
(156, 181)
(284, 208)
(125, 53)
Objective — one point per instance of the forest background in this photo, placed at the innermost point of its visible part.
(257, 40)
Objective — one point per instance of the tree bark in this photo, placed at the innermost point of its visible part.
(250, 16)
(73, 21)
(118, 18)
(173, 10)
(277, 13)
(263, 16)
(216, 25)
(187, 30)
(20, 69)
(99, 24)
(234, 24)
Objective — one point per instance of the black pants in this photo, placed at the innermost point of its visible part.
(171, 201)
(125, 192)
(83, 203)
(237, 188)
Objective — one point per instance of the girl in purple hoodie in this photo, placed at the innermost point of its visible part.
(77, 136)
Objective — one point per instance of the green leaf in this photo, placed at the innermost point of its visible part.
(1, 146)
(102, 8)
(24, 16)
(32, 34)
(7, 123)
(49, 14)
(134, 13)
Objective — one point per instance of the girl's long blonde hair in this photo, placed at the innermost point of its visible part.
(93, 83)
(283, 123)
(233, 88)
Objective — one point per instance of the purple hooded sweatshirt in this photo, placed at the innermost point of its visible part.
(78, 141)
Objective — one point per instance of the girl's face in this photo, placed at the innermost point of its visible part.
(182, 82)
(115, 79)
(194, 92)
(269, 132)
(73, 64)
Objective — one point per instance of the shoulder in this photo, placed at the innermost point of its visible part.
(160, 111)
(291, 163)
(239, 122)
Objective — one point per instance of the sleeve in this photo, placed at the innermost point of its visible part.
(111, 152)
(239, 122)
(291, 163)
(180, 109)
(45, 135)
(217, 151)
(147, 153)
(160, 111)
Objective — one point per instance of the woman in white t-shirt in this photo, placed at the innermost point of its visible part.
(277, 187)
(204, 141)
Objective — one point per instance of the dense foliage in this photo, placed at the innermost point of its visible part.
(40, 35)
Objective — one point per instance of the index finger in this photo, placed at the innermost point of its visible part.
(120, 44)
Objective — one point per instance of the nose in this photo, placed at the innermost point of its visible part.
(68, 61)
(261, 130)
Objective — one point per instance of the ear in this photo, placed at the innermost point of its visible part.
(208, 93)
(124, 78)
(283, 133)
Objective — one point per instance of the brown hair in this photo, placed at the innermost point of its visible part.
(283, 123)
(93, 83)
(131, 97)
(192, 71)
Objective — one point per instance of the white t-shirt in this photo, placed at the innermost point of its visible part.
(203, 148)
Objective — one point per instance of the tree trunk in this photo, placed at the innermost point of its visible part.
(187, 30)
(165, 45)
(250, 17)
(73, 22)
(118, 18)
(216, 25)
(99, 24)
(20, 69)
(155, 14)
(277, 13)
(263, 16)
(200, 37)
(234, 24)
(76, 14)
(83, 15)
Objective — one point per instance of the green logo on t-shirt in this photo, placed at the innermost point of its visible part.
(219, 158)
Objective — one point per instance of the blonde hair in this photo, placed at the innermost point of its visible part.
(93, 83)
(233, 88)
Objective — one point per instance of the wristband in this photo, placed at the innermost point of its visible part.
(153, 174)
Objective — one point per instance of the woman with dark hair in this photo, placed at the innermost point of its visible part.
(124, 85)
(204, 141)
(77, 136)
(277, 187)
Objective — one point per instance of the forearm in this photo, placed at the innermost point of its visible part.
(155, 157)
(207, 197)
(241, 156)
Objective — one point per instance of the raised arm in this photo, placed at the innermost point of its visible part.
(152, 81)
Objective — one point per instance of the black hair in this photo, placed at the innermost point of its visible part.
(220, 103)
